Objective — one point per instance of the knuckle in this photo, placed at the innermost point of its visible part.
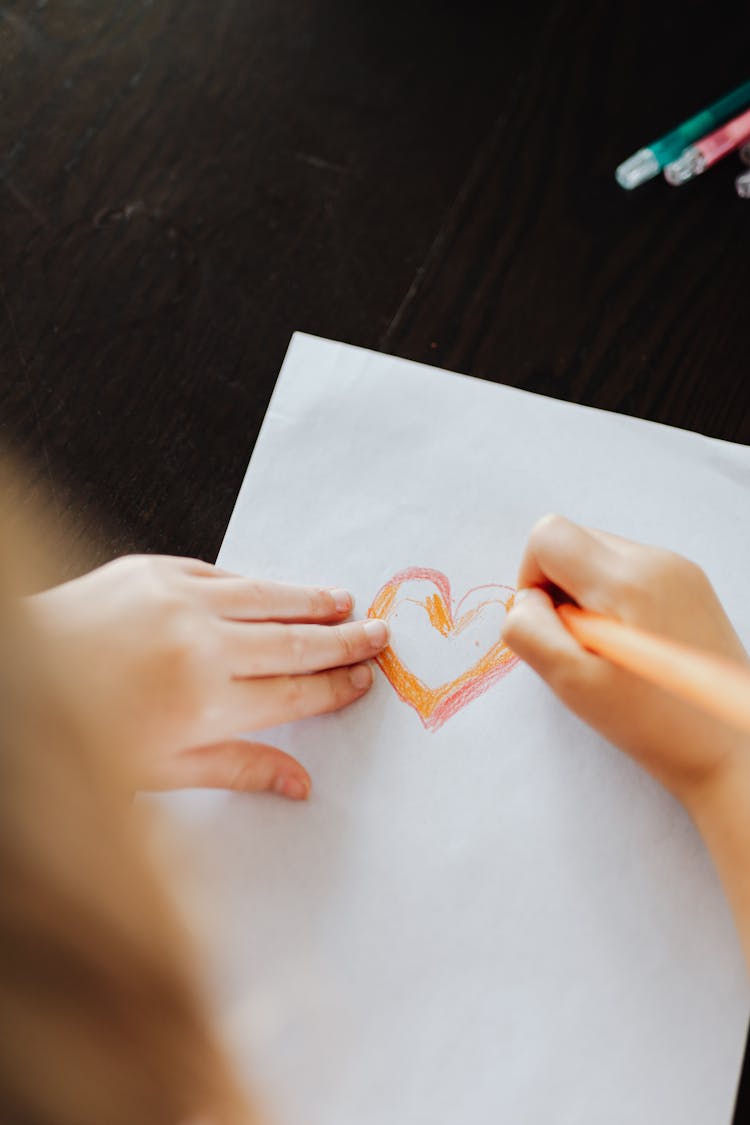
(658, 565)
(161, 583)
(189, 647)
(297, 647)
(639, 586)
(160, 568)
(632, 592)
(320, 604)
(143, 571)
(129, 563)
(544, 527)
(633, 583)
(338, 690)
(295, 696)
(142, 561)
(243, 777)
(259, 597)
(350, 641)
(689, 572)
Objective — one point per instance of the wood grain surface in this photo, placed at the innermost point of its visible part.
(183, 184)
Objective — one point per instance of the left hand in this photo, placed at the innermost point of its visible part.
(174, 659)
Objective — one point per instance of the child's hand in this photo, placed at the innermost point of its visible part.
(705, 763)
(645, 586)
(178, 658)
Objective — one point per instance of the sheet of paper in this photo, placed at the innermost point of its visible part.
(495, 916)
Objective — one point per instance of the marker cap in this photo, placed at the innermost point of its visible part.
(690, 164)
(642, 166)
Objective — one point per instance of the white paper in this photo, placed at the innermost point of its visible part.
(502, 919)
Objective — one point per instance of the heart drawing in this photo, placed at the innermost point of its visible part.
(442, 655)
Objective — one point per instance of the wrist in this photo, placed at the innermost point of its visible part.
(720, 810)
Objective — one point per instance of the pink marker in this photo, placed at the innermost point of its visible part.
(707, 151)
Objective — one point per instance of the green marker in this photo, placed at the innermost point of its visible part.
(649, 161)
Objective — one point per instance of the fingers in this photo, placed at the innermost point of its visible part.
(248, 767)
(571, 557)
(277, 650)
(247, 599)
(255, 704)
(534, 631)
(244, 599)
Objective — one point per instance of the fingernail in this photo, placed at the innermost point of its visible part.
(376, 632)
(342, 599)
(521, 595)
(292, 787)
(361, 676)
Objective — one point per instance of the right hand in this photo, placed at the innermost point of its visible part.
(680, 745)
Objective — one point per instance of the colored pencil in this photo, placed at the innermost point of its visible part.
(716, 684)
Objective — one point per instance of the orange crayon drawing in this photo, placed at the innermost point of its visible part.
(435, 705)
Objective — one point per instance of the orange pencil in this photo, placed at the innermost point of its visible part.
(716, 684)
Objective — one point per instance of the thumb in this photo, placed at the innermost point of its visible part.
(246, 767)
(535, 633)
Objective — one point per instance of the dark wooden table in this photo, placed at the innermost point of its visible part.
(183, 183)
